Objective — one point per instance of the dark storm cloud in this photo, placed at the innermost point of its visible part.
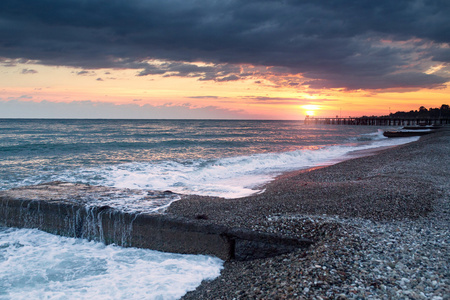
(285, 100)
(84, 72)
(218, 72)
(228, 78)
(28, 71)
(442, 55)
(350, 44)
(271, 99)
(204, 97)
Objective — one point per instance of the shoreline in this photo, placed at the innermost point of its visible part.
(353, 210)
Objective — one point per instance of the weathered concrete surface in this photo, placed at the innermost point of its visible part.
(66, 209)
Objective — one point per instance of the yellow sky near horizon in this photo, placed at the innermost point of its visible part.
(250, 98)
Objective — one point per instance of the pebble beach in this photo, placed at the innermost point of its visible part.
(380, 226)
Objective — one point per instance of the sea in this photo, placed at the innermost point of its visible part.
(223, 158)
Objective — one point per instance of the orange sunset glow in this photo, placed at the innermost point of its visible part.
(255, 98)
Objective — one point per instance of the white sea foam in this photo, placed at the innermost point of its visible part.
(231, 177)
(135, 201)
(38, 265)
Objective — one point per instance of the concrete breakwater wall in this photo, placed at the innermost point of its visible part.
(62, 208)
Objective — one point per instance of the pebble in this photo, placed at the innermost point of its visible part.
(394, 255)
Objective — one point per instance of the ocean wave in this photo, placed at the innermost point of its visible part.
(230, 177)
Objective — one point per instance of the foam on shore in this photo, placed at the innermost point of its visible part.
(230, 177)
(38, 265)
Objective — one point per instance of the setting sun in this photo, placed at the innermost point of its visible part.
(310, 110)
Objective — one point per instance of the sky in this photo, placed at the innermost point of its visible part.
(222, 59)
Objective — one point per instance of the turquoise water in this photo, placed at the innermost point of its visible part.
(220, 158)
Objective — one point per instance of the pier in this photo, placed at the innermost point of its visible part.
(377, 121)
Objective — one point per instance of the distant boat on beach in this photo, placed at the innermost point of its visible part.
(411, 131)
(422, 127)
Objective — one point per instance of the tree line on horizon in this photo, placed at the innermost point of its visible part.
(422, 113)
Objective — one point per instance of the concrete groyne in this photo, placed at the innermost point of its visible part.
(63, 209)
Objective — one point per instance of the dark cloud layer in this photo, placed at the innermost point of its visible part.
(350, 44)
(28, 71)
(285, 100)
